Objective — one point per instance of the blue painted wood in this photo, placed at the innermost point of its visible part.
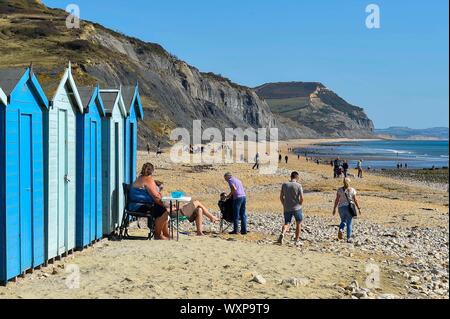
(134, 114)
(60, 165)
(2, 192)
(26, 190)
(89, 171)
(113, 160)
(22, 178)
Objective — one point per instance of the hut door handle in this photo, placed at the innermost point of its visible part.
(67, 179)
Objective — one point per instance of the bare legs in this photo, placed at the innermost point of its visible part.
(199, 222)
(202, 211)
(161, 227)
(206, 212)
(298, 230)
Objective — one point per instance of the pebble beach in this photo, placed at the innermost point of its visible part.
(400, 249)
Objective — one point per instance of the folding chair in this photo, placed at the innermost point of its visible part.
(127, 214)
(226, 215)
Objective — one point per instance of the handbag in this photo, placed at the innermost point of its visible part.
(351, 206)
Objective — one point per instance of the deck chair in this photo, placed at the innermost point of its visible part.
(127, 215)
(226, 214)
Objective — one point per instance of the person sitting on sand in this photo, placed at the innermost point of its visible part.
(144, 196)
(291, 197)
(194, 211)
(344, 196)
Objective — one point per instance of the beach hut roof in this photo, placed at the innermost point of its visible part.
(88, 94)
(110, 98)
(8, 81)
(10, 78)
(57, 80)
(131, 98)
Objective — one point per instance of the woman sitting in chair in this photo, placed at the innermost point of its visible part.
(144, 196)
(195, 212)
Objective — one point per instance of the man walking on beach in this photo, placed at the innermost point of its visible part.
(345, 167)
(360, 169)
(239, 203)
(256, 166)
(291, 197)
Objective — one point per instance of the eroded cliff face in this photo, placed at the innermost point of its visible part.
(316, 107)
(173, 92)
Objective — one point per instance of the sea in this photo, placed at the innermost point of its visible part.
(384, 154)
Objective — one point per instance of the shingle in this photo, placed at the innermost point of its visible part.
(85, 94)
(109, 97)
(127, 95)
(9, 79)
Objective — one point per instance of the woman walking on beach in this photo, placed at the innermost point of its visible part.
(346, 196)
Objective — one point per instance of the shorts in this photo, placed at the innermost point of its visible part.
(298, 214)
(190, 211)
(156, 211)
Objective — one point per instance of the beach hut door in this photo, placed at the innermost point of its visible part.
(116, 212)
(63, 180)
(131, 157)
(94, 178)
(26, 192)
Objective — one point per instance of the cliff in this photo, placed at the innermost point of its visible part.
(173, 92)
(313, 105)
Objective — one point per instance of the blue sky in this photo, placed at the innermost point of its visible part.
(398, 73)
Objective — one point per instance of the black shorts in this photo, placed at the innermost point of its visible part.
(156, 210)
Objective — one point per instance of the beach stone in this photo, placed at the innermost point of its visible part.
(361, 294)
(388, 296)
(414, 280)
(295, 282)
(354, 286)
(259, 280)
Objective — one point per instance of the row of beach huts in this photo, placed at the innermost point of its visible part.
(63, 160)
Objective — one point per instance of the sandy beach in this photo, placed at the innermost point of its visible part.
(400, 248)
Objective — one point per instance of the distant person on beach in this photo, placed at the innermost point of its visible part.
(291, 198)
(158, 150)
(257, 159)
(337, 166)
(406, 165)
(239, 203)
(280, 158)
(359, 167)
(345, 167)
(148, 149)
(345, 196)
(286, 158)
(144, 196)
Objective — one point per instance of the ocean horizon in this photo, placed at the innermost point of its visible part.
(384, 154)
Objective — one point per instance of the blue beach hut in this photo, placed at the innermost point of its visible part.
(135, 113)
(89, 167)
(60, 163)
(113, 159)
(22, 107)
